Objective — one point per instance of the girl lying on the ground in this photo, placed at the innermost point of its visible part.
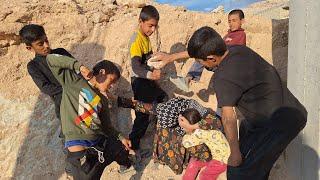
(168, 148)
(216, 142)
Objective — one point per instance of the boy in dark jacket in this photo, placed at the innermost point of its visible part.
(36, 41)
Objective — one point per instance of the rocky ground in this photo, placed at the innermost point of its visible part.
(100, 29)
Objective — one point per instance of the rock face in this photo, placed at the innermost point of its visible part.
(93, 30)
(135, 3)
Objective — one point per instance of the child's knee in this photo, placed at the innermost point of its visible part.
(192, 170)
(190, 175)
(213, 170)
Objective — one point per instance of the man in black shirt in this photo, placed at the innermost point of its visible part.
(37, 42)
(244, 80)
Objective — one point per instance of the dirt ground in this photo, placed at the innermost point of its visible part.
(100, 29)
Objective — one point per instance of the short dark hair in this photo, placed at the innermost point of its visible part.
(204, 42)
(149, 12)
(237, 11)
(108, 66)
(192, 115)
(31, 33)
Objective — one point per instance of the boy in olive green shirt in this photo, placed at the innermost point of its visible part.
(90, 139)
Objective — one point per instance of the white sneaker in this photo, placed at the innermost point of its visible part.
(181, 83)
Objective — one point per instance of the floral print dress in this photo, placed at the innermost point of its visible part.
(168, 148)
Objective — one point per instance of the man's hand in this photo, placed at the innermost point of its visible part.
(168, 58)
(126, 143)
(235, 159)
(86, 73)
(163, 57)
(156, 74)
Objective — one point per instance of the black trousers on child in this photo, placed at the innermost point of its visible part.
(261, 147)
(147, 91)
(89, 164)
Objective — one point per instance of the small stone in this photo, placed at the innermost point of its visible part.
(4, 15)
(218, 21)
(219, 9)
(25, 18)
(285, 8)
(180, 8)
(109, 1)
(4, 43)
(132, 3)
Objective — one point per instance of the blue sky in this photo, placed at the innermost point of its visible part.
(208, 5)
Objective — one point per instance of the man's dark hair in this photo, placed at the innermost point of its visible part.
(31, 33)
(108, 66)
(149, 12)
(237, 11)
(205, 42)
(192, 115)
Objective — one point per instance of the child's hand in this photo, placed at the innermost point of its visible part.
(126, 143)
(86, 73)
(228, 39)
(147, 106)
(134, 102)
(108, 95)
(156, 74)
(184, 123)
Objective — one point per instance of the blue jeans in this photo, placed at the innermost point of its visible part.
(195, 71)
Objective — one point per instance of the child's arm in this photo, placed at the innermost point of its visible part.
(242, 39)
(190, 140)
(123, 102)
(140, 68)
(215, 140)
(64, 68)
(209, 122)
(138, 106)
(42, 81)
(63, 52)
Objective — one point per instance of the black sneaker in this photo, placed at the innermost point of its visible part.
(67, 168)
(133, 159)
